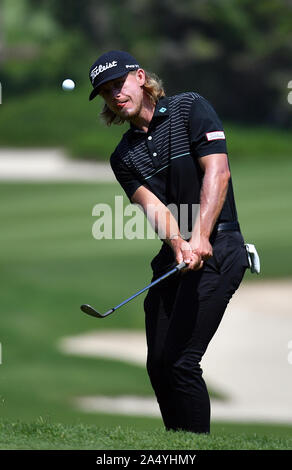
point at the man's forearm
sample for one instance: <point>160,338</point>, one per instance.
<point>165,225</point>
<point>213,194</point>
<point>159,216</point>
<point>163,222</point>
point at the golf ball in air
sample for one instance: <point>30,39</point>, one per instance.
<point>68,84</point>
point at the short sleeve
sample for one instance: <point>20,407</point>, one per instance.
<point>124,176</point>
<point>206,130</point>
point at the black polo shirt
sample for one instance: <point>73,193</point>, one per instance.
<point>184,128</point>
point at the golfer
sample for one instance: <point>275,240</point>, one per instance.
<point>174,155</point>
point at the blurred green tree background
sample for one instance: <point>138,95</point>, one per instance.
<point>235,52</point>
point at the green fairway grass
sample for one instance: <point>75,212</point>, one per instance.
<point>263,198</point>
<point>51,264</point>
<point>44,435</point>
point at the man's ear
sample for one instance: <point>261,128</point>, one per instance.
<point>141,76</point>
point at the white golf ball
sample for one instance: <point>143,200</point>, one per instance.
<point>68,84</point>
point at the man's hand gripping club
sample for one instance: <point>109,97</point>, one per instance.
<point>183,251</point>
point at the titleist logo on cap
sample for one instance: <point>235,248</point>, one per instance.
<point>110,66</point>
<point>102,68</point>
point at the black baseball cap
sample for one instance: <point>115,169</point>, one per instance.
<point>111,65</point>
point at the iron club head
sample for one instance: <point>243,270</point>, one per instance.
<point>94,313</point>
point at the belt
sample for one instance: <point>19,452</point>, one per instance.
<point>224,226</point>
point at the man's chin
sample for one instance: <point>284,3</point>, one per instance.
<point>127,114</point>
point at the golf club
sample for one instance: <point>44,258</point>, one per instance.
<point>94,313</point>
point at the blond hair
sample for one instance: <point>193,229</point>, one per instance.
<point>153,86</point>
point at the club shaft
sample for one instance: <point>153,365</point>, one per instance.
<point>164,276</point>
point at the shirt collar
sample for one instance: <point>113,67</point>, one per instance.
<point>161,111</point>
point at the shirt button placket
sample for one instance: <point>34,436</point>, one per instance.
<point>152,151</point>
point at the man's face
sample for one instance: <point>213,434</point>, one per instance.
<point>124,96</point>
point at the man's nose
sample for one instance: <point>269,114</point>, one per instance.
<point>116,91</point>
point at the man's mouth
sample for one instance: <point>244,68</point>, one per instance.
<point>121,104</point>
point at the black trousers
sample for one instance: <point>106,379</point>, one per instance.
<point>182,314</point>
